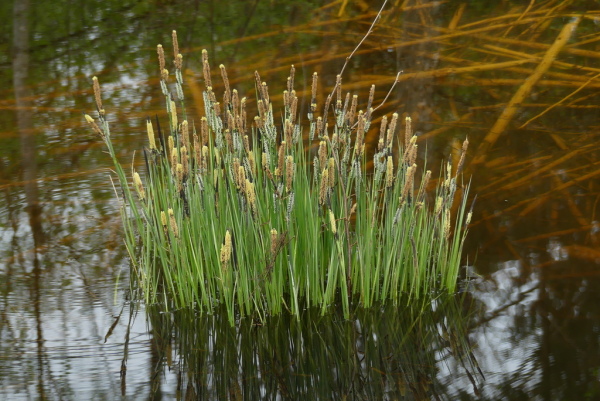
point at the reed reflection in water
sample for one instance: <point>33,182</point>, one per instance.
<point>381,353</point>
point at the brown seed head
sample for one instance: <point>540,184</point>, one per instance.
<point>331,172</point>
<point>97,95</point>
<point>289,172</point>
<point>150,131</point>
<point>185,161</point>
<point>204,131</point>
<point>313,101</point>
<point>173,223</point>
<point>175,44</point>
<point>179,174</point>
<point>206,69</point>
<point>463,155</point>
<point>251,196</point>
<point>173,115</point>
<point>408,131</point>
<point>382,137</point>
<point>178,62</point>
<point>389,172</point>
<point>185,133</point>
<point>391,132</point>
<point>236,172</point>
<point>322,154</point>
<point>161,57</point>
<point>280,159</point>
<point>324,187</point>
<point>94,126</point>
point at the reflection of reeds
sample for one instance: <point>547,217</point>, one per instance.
<point>390,353</point>
<point>346,234</point>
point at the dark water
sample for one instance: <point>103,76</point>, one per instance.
<point>529,327</point>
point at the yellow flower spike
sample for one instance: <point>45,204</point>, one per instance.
<point>332,222</point>
<point>150,131</point>
<point>389,172</point>
<point>226,250</point>
<point>137,181</point>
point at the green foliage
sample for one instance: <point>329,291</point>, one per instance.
<point>244,218</point>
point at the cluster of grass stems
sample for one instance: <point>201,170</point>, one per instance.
<point>266,217</point>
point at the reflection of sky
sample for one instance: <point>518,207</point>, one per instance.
<point>501,357</point>
<point>71,303</point>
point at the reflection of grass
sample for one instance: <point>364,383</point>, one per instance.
<point>382,352</point>
<point>250,222</point>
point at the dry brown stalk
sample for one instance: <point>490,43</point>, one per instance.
<point>456,17</point>
<point>543,168</point>
<point>512,107</point>
<point>560,101</point>
<point>581,219</point>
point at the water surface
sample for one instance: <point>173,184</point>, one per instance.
<point>67,327</point>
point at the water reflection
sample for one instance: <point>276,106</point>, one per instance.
<point>384,353</point>
<point>534,241</point>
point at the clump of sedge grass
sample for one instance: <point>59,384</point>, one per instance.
<point>242,214</point>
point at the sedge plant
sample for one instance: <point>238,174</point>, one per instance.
<point>243,214</point>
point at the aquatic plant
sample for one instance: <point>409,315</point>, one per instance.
<point>267,216</point>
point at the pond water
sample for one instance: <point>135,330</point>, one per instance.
<point>498,72</point>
